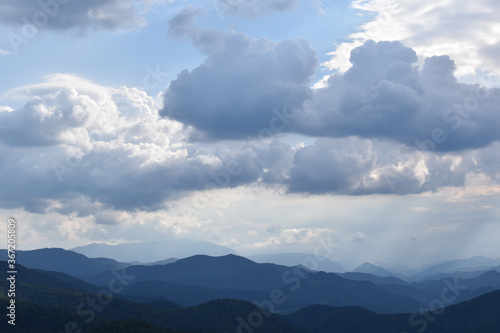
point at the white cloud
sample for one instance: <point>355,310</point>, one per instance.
<point>306,236</point>
<point>76,140</point>
<point>356,237</point>
<point>465,31</point>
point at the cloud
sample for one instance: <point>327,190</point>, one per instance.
<point>275,229</point>
<point>254,8</point>
<point>296,236</point>
<point>75,140</point>
<point>330,166</point>
<point>354,166</point>
<point>356,237</point>
<point>73,15</point>
<point>242,85</point>
<point>237,91</point>
<point>384,95</point>
<point>5,53</point>
<point>447,27</point>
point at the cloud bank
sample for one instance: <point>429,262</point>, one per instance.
<point>385,126</point>
<point>235,93</point>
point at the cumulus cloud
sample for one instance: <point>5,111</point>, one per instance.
<point>76,147</point>
<point>384,95</point>
<point>242,85</point>
<point>69,15</point>
<point>254,8</point>
<point>75,140</point>
<point>237,91</point>
<point>385,126</point>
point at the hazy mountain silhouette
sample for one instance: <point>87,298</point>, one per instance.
<point>65,261</point>
<point>293,259</point>
<point>478,263</point>
<point>299,287</point>
<point>428,291</point>
<point>372,269</point>
<point>373,278</point>
<point>150,252</point>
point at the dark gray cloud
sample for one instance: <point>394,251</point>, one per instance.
<point>235,93</point>
<point>67,15</point>
<point>254,8</point>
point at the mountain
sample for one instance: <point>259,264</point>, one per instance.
<point>131,325</point>
<point>187,295</point>
<point>295,259</point>
<point>376,279</point>
<point>34,278</point>
<point>397,268</point>
<point>149,252</point>
<point>163,262</point>
<point>478,263</point>
<point>215,316</point>
<point>457,275</point>
<point>64,261</point>
<point>38,294</point>
<point>431,290</point>
<point>372,269</point>
<point>479,315</point>
<point>231,275</point>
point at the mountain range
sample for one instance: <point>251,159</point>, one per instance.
<point>233,290</point>
<point>305,259</point>
<point>149,252</point>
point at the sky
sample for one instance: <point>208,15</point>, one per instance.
<point>265,126</point>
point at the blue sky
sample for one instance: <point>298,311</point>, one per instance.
<point>265,126</point>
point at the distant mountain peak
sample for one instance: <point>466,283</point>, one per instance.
<point>368,267</point>
<point>304,259</point>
